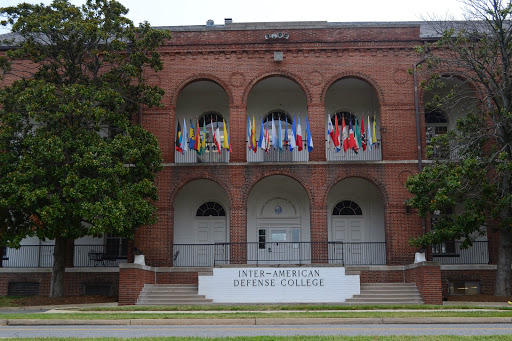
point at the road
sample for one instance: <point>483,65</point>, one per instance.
<point>281,330</point>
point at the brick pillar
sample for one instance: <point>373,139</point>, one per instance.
<point>316,116</point>
<point>168,155</point>
<point>319,234</point>
<point>238,231</point>
<point>237,133</point>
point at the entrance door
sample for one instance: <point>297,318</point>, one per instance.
<point>210,231</point>
<point>279,245</point>
<point>350,231</point>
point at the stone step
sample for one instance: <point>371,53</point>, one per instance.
<point>387,293</point>
<point>394,285</point>
<point>172,301</point>
<point>163,296</point>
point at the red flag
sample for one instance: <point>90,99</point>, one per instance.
<point>197,144</point>
<point>344,135</point>
<point>363,135</point>
<point>336,133</point>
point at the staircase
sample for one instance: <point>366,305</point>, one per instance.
<point>171,294</point>
<point>387,293</point>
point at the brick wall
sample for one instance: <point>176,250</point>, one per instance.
<point>74,282</point>
<point>427,277</point>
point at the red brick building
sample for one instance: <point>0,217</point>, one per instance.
<point>280,207</point>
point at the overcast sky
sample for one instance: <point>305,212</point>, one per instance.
<point>196,12</point>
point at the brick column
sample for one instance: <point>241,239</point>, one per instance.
<point>238,230</point>
<point>316,116</point>
<point>237,133</point>
<point>168,155</point>
<point>319,234</point>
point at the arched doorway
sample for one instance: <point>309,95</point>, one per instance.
<point>356,219</point>
<point>200,224</point>
<point>278,222</point>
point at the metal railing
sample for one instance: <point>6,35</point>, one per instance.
<point>29,256</point>
<point>41,256</point>
<point>210,155</point>
<point>451,253</point>
<point>373,154</point>
<point>276,155</point>
<point>208,255</point>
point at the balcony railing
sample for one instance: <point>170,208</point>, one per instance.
<point>41,256</point>
<point>373,154</point>
<point>210,155</point>
<point>451,253</point>
<point>365,253</point>
<point>276,155</point>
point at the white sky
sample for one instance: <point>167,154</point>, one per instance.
<point>196,12</point>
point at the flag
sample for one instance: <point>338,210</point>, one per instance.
<point>330,133</point>
<point>214,138</point>
<point>358,135</point>
<point>337,135</point>
<point>261,141</point>
<point>249,133</point>
<point>344,135</point>
<point>293,143</point>
<point>226,143</point>
<point>217,135</point>
<point>184,141</point>
<point>192,138</point>
<point>363,135</point>
<point>374,136</point>
<point>285,133</point>
<point>351,138</point>
<point>178,138</point>
<point>203,139</point>
<point>274,135</point>
<point>299,135</point>
<point>279,136</point>
<point>308,136</point>
<point>197,144</point>
<point>369,135</point>
<point>254,143</point>
<point>267,139</point>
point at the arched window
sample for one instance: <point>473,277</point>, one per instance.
<point>436,124</point>
<point>210,209</point>
<point>340,114</point>
<point>278,115</point>
<point>209,117</point>
<point>347,207</point>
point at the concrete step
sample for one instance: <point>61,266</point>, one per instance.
<point>171,294</point>
<point>387,293</point>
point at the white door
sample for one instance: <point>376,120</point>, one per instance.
<point>350,231</point>
<point>209,231</point>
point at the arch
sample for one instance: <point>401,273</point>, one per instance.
<point>196,78</point>
<point>176,188</point>
<point>279,113</point>
<point>260,176</point>
<point>357,75</point>
<point>356,174</point>
<point>285,74</point>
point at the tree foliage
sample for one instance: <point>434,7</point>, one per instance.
<point>72,162</point>
<point>475,184</point>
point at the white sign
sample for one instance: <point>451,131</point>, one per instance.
<point>279,285</point>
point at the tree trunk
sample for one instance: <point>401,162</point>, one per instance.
<point>59,267</point>
<point>504,263</point>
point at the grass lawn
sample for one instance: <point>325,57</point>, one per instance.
<point>259,315</point>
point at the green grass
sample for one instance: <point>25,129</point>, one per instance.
<point>9,301</point>
<point>304,338</point>
<point>300,307</point>
<point>259,315</point>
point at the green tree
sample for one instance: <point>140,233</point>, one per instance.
<point>476,184</point>
<point>72,163</point>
